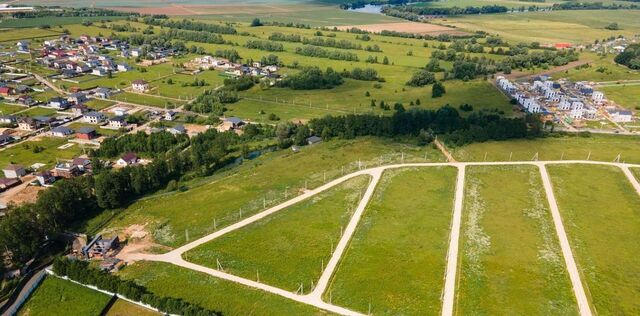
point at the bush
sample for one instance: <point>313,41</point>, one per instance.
<point>421,78</point>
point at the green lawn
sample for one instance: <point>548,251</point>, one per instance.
<point>231,298</point>
<point>396,260</point>
<point>102,131</point>
<point>25,153</point>
<point>293,243</point>
<point>511,262</point>
<point>6,109</point>
<point>99,104</point>
<point>626,95</point>
<point>602,147</point>
<point>24,34</point>
<point>56,296</point>
<point>149,100</point>
<point>263,179</point>
<point>124,308</point>
<point>53,21</point>
<point>599,208</point>
<point>602,68</point>
<point>636,173</point>
<point>39,111</point>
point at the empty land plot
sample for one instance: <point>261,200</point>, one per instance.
<point>257,181</point>
<point>6,109</point>
<point>209,292</point>
<point>626,95</point>
<point>511,263</point>
<point>43,150</point>
<point>405,27</point>
<point>601,68</point>
<point>56,296</point>
<point>293,244</point>
<point>601,214</point>
<point>396,260</point>
<point>24,34</point>
<point>595,147</point>
<point>124,308</point>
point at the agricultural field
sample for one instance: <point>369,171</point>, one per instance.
<point>601,147</point>
<point>399,250</point>
<point>210,292</point>
<point>600,233</point>
<point>292,256</point>
<point>54,21</point>
<point>68,299</point>
<point>257,183</point>
<point>571,26</point>
<point>43,150</point>
<point>509,248</point>
<point>25,33</point>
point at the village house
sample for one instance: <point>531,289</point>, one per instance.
<point>94,117</point>
<point>14,171</point>
<point>117,122</point>
<point>58,103</point>
<point>177,130</point>
<point>66,170</point>
<point>99,248</point>
<point>6,91</point>
<point>83,164</point>
<point>45,178</point>
<point>26,100</point>
<point>79,109</point>
<point>103,93</point>
<point>7,183</point>
<point>170,115</point>
<point>5,139</point>
<point>86,133</point>
<point>29,124</point>
<point>77,97</point>
<point>128,159</point>
<point>7,120</point>
<point>140,85</point>
<point>230,123</point>
<point>61,131</point>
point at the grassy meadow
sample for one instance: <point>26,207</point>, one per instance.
<point>396,261</point>
<point>602,69</point>
<point>510,262</point>
<point>124,308</point>
<point>602,148</point>
<point>293,243</point>
<point>209,292</point>
<point>626,95</point>
<point>599,209</point>
<point>6,109</point>
<point>44,150</point>
<point>258,182</point>
<point>68,299</point>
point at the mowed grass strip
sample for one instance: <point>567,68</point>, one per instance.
<point>230,298</point>
<point>262,180</point>
<point>396,260</point>
<point>596,147</point>
<point>124,308</point>
<point>288,248</point>
<point>601,214</point>
<point>510,262</point>
<point>56,296</point>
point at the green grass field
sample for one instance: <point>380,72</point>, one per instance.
<point>54,21</point>
<point>26,155</point>
<point>56,296</point>
<point>511,262</point>
<point>293,243</point>
<point>39,111</point>
<point>6,109</point>
<point>602,147</point>
<point>572,26</point>
<point>397,257</point>
<point>220,197</point>
<point>231,298</point>
<point>148,100</point>
<point>124,308</point>
<point>25,34</point>
<point>599,209</point>
<point>602,68</point>
<point>626,95</point>
<point>99,104</point>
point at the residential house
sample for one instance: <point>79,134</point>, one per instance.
<point>8,183</point>
<point>61,131</point>
<point>94,117</point>
<point>45,178</point>
<point>86,133</point>
<point>231,123</point>
<point>620,116</point>
<point>140,85</point>
<point>26,100</point>
<point>99,248</point>
<point>6,91</point>
<point>103,93</point>
<point>177,130</point>
<point>100,72</point>
<point>66,170</point>
<point>128,159</point>
<point>79,109</point>
<point>7,120</point>
<point>5,139</point>
<point>117,122</point>
<point>14,171</point>
<point>77,97</point>
<point>59,103</point>
<point>123,67</point>
<point>28,124</point>
<point>83,164</point>
<point>170,115</point>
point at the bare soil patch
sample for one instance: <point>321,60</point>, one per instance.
<point>406,27</point>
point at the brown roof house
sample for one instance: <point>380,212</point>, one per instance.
<point>128,159</point>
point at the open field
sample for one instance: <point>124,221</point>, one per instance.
<point>551,27</point>
<point>54,21</point>
<point>602,148</point>
<point>603,68</point>
<point>396,259</point>
<point>509,247</point>
<point>626,95</point>
<point>6,109</point>
<point>124,308</point>
<point>25,34</point>
<point>39,111</point>
<point>288,256</point>
<point>28,153</point>
<point>599,209</point>
<point>406,27</point>
<point>212,293</point>
<point>56,296</point>
<point>256,181</point>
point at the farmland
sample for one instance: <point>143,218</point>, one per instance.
<point>510,250</point>
<point>68,299</point>
<point>595,147</point>
<point>257,183</point>
<point>599,231</point>
<point>400,246</point>
<point>292,256</point>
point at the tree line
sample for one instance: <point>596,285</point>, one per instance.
<point>81,271</point>
<point>264,45</point>
<point>191,25</point>
<point>314,51</point>
<point>630,57</point>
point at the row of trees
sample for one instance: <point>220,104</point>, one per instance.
<point>148,144</point>
<point>366,74</point>
<point>82,272</point>
<point>191,25</point>
<point>213,101</point>
<point>445,122</point>
<point>264,45</point>
<point>416,13</point>
<point>312,78</point>
<point>630,57</point>
<point>314,51</point>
